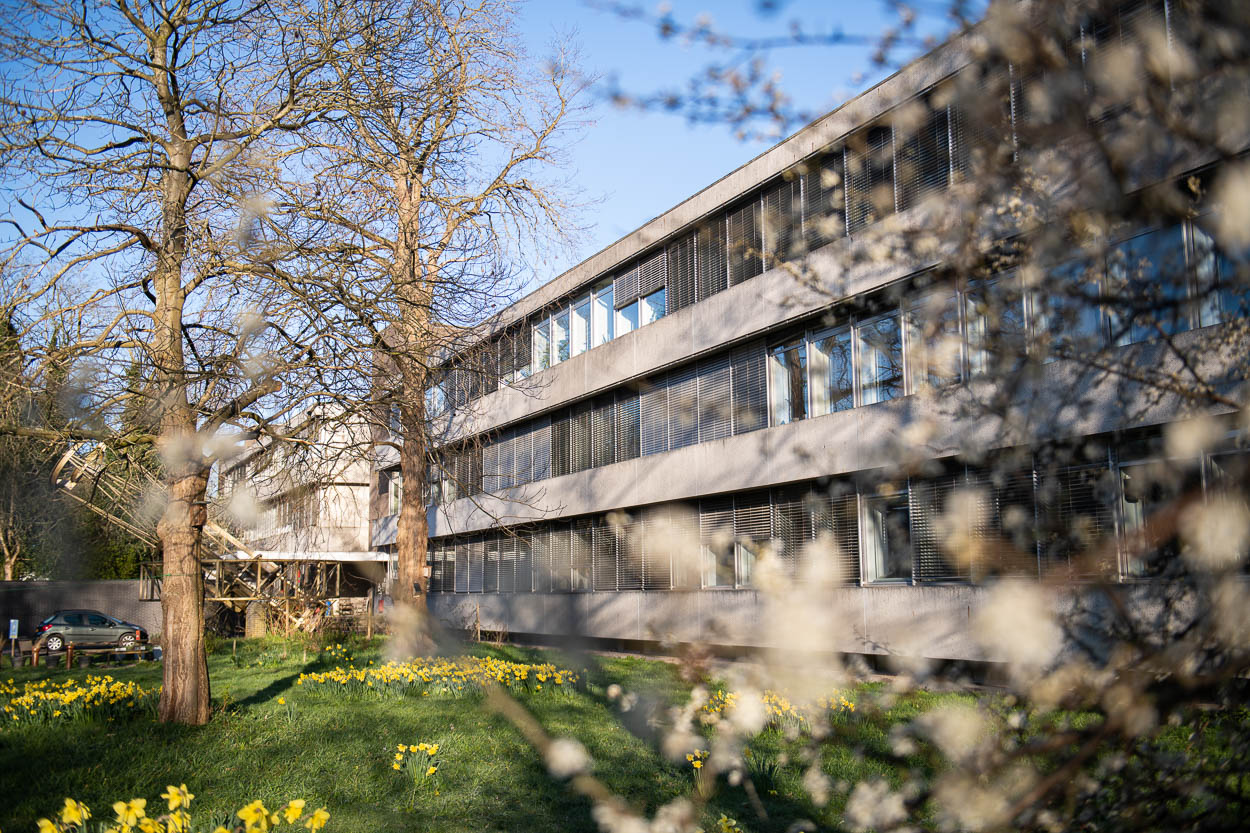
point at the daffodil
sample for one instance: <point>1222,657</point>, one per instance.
<point>46,826</point>
<point>178,796</point>
<point>318,819</point>
<point>294,809</point>
<point>129,812</point>
<point>255,817</point>
<point>402,747</point>
<point>395,765</point>
<point>150,825</point>
<point>281,701</point>
<point>74,812</point>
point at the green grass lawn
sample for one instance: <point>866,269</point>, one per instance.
<point>336,750</point>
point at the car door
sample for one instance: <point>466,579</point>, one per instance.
<point>75,628</point>
<point>99,629</point>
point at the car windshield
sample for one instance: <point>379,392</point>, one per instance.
<point>49,619</point>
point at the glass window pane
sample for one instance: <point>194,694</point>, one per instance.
<point>996,332</point>
<point>653,307</point>
<point>934,343</point>
<point>1147,275</point>
<point>1068,319</point>
<point>560,338</point>
<point>542,345</point>
<point>627,319</point>
<point>833,384</point>
<point>601,321</point>
<point>579,333</point>
<point>887,537</point>
<point>880,359</point>
<point>787,371</point>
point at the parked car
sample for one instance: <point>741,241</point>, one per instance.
<point>87,627</point>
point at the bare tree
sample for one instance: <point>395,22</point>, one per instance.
<point>441,173</point>
<point>139,138</point>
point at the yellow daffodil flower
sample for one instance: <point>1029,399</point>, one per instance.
<point>281,701</point>
<point>74,812</point>
<point>431,770</point>
<point>255,817</point>
<point>402,747</point>
<point>46,826</point>
<point>129,812</point>
<point>178,796</point>
<point>318,819</point>
<point>294,810</point>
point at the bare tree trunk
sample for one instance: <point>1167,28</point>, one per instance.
<point>185,696</point>
<point>412,536</point>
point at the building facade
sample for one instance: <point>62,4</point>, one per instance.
<point>754,386</point>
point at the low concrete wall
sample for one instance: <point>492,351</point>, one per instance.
<point>30,602</point>
<point>932,621</point>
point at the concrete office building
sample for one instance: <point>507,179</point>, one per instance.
<point>740,376</point>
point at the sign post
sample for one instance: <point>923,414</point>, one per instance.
<point>13,641</point>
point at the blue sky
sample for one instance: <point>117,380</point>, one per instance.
<point>635,165</point>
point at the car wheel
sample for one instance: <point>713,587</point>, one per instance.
<point>126,642</point>
<point>54,642</point>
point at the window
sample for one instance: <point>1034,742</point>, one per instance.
<point>560,337</point>
<point>1067,318</point>
<point>869,176</point>
<point>879,344</point>
<point>396,488</point>
<point>994,313</point>
<point>1222,281</point>
<point>887,537</point>
<point>1146,276</point>
<point>653,308</point>
<point>579,334</point>
<point>833,383</point>
<point>787,379</point>
<point>542,345</point>
<point>934,342</point>
<point>601,329</point>
<point>627,319</point>
<point>435,404</point>
<point>716,537</point>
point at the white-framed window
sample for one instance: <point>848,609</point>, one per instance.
<point>934,341</point>
<point>560,344</point>
<point>579,326</point>
<point>1066,317</point>
<point>996,326</point>
<point>879,356</point>
<point>653,307</point>
<point>831,371</point>
<point>626,319</point>
<point>602,318</point>
<point>396,491</point>
<point>1149,272</point>
<point>787,382</point>
<point>540,355</point>
<point>885,536</point>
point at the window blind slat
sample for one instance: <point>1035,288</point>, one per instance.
<point>682,282</point>
<point>477,560</point>
<point>603,432</point>
<point>625,288</point>
<point>582,554</point>
<point>461,583</point>
<point>561,557</point>
<point>629,554</point>
<point>540,441</point>
<point>628,426</point>
<point>782,221</point>
<point>683,407</point>
<point>744,244</point>
<point>604,556</point>
<point>653,273</point>
<point>824,203</point>
<point>715,411</point>
<point>749,388</point>
<point>490,573</point>
<point>579,437</point>
<point>653,407</point>
<point>711,263</point>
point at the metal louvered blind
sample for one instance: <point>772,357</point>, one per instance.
<point>683,407</point>
<point>603,432</point>
<point>491,473</point>
<point>561,557</point>
<point>870,177</point>
<point>712,267</point>
<point>682,282</point>
<point>753,517</point>
<point>579,437</point>
<point>473,466</point>
<point>540,441</point>
<point>1076,509</point>
<point>655,549</point>
<point>525,579</point>
<point>928,502</point>
<point>625,288</point>
<point>653,418</point>
<point>507,563</point>
<point>792,525</point>
<point>923,163</point>
<point>837,514</point>
<point>507,459</point>
<point>561,443</point>
<point>490,573</point>
<point>652,273</point>
<point>629,568</point>
<point>522,455</point>
<point>522,350</point>
<point>743,242</point>
<point>824,202</point>
<point>782,221</point>
<point>603,566</point>
<point>628,426</point>
<point>477,558</point>
<point>1009,537</point>
<point>749,388</point>
<point>540,554</point>
<point>462,567</point>
<point>682,546</point>
<point>715,411</point>
<point>582,546</point>
<point>435,558</point>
